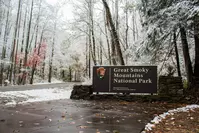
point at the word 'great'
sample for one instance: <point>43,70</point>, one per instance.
<point>129,70</point>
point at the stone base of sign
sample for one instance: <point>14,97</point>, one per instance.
<point>170,86</point>
<point>81,92</point>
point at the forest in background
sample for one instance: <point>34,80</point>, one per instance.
<point>38,43</point>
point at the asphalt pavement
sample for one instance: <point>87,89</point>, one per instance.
<point>76,116</point>
<point>68,116</point>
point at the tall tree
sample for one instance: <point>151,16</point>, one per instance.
<point>91,26</point>
<point>114,35</point>
<point>176,53</point>
<point>5,39</point>
<point>14,42</point>
<point>196,38</point>
<point>107,38</point>
<point>17,45</point>
<point>22,43</point>
<point>27,44</point>
<point>37,29</point>
<point>53,49</point>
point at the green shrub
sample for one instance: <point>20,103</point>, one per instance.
<point>185,84</point>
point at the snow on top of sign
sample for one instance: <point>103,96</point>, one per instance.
<point>159,118</point>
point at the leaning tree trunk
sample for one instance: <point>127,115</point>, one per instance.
<point>176,53</point>
<point>187,60</point>
<point>107,39</point>
<point>115,38</point>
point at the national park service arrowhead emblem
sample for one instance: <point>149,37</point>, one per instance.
<point>101,72</point>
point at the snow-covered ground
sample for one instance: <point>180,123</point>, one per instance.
<point>159,118</point>
<point>46,82</point>
<point>12,98</point>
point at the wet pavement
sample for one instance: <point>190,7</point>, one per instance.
<point>69,116</point>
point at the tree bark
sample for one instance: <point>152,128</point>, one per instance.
<point>27,44</point>
<point>14,43</point>
<point>37,29</point>
<point>70,74</point>
<point>16,52</point>
<point>5,39</point>
<point>196,38</point>
<point>176,53</point>
<point>127,29</point>
<point>107,39</point>
<point>52,54</point>
<point>92,31</point>
<point>22,44</point>
<point>115,38</point>
<point>187,60</point>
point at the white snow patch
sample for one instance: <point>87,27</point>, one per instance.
<point>46,82</point>
<point>87,82</point>
<point>159,118</point>
<point>30,96</point>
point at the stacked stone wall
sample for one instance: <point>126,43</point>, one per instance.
<point>170,86</point>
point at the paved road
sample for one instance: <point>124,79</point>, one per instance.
<point>71,116</point>
<point>31,87</point>
<point>67,116</point>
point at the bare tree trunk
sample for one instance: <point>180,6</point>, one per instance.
<point>107,39</point>
<point>87,54</point>
<point>37,29</point>
<point>186,54</point>
<point>89,61</point>
<point>27,44</point>
<point>70,74</point>
<point>116,17</point>
<point>115,38</point>
<point>1,17</point>
<point>196,38</point>
<point>127,29</point>
<point>90,46</point>
<point>100,51</point>
<point>196,66</point>
<point>22,45</point>
<point>14,43</point>
<point>133,19</point>
<point>52,54</point>
<point>92,30</point>
<point>176,53</point>
<point>43,68</point>
<point>16,52</point>
<point>4,44</point>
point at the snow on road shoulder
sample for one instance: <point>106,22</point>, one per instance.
<point>46,82</point>
<point>12,98</point>
<point>159,118</point>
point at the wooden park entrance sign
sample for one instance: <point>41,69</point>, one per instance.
<point>125,79</point>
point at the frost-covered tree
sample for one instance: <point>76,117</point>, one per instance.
<point>162,19</point>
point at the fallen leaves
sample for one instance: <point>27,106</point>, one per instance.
<point>89,122</point>
<point>2,120</point>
